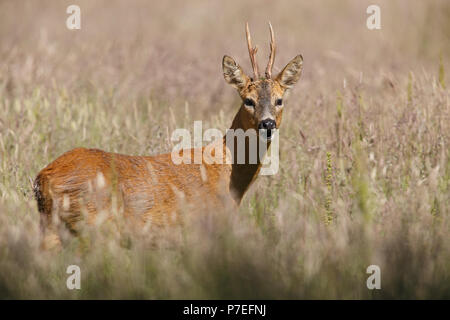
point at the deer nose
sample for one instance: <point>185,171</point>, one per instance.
<point>267,124</point>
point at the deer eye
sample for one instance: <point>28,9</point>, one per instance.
<point>249,102</point>
<point>279,102</point>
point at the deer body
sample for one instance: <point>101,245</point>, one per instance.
<point>81,183</point>
<point>144,187</point>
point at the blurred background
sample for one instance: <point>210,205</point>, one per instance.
<point>175,47</point>
<point>365,164</point>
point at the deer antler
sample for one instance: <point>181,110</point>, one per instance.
<point>272,53</point>
<point>252,52</point>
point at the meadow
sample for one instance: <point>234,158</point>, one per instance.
<point>364,173</point>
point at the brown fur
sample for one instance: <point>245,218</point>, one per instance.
<point>83,182</point>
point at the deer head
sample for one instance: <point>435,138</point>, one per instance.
<point>262,97</point>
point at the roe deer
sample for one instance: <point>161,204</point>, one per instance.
<point>82,182</point>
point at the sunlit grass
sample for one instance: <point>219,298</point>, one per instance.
<point>364,175</point>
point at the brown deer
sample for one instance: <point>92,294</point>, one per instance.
<point>83,182</point>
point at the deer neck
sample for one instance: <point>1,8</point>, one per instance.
<point>243,175</point>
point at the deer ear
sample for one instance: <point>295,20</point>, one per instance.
<point>291,73</point>
<point>234,74</point>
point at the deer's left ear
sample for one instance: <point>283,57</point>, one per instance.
<point>291,73</point>
<point>234,74</point>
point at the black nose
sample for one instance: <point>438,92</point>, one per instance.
<point>267,124</point>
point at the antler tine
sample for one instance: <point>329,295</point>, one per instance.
<point>252,52</point>
<point>272,53</point>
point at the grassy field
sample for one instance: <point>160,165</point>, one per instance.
<point>364,176</point>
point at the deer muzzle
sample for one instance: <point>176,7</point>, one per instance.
<point>265,128</point>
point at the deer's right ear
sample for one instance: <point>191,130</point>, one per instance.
<point>234,74</point>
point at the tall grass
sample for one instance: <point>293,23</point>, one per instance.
<point>364,175</point>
